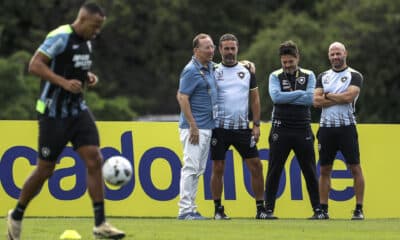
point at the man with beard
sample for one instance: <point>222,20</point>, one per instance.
<point>291,89</point>
<point>236,87</point>
<point>336,93</point>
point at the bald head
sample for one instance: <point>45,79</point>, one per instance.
<point>337,45</point>
<point>337,56</point>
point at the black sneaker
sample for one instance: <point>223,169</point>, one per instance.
<point>220,214</point>
<point>319,214</point>
<point>266,214</point>
<point>358,215</point>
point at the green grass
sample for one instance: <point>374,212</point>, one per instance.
<point>243,229</point>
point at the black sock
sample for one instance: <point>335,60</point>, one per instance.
<point>269,206</point>
<point>324,207</point>
<point>18,212</point>
<point>359,206</point>
<point>260,205</point>
<point>317,207</point>
<point>217,204</point>
<point>99,217</point>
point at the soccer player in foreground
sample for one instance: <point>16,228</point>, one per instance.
<point>63,62</point>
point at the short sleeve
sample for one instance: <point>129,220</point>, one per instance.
<point>356,79</point>
<point>319,81</point>
<point>54,45</point>
<point>187,83</point>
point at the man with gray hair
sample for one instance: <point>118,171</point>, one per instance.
<point>197,95</point>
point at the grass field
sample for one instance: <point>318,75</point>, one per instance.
<point>243,229</point>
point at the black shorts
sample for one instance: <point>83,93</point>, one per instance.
<point>241,139</point>
<point>334,139</point>
<point>55,133</point>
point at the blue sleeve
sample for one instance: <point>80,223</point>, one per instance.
<point>279,96</point>
<point>187,83</point>
<point>54,45</point>
<point>307,97</point>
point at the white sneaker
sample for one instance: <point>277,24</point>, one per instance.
<point>107,231</point>
<point>13,227</point>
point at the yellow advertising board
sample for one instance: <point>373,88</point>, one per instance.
<point>155,152</point>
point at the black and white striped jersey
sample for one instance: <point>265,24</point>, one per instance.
<point>338,82</point>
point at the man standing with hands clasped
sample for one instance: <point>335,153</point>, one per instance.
<point>336,93</point>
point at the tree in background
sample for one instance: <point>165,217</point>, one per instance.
<point>144,45</point>
<point>369,30</point>
<point>18,91</point>
<point>24,27</point>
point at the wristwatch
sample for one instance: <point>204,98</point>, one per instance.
<point>256,123</point>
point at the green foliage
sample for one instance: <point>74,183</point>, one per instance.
<point>369,31</point>
<point>18,91</point>
<point>264,52</point>
<point>145,44</point>
<point>156,38</point>
<point>377,55</point>
<point>116,109</point>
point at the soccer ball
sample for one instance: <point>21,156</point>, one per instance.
<point>117,171</point>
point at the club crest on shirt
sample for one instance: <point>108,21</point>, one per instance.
<point>343,79</point>
<point>301,80</point>
<point>214,141</point>
<point>45,151</point>
<point>219,75</point>
<point>241,75</point>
